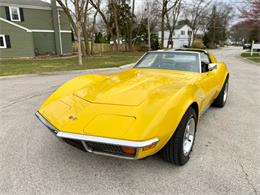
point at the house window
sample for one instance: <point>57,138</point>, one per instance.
<point>14,14</point>
<point>5,41</point>
<point>2,41</point>
<point>182,32</point>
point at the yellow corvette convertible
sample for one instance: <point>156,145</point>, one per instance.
<point>153,107</point>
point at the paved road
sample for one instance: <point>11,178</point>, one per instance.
<point>225,159</point>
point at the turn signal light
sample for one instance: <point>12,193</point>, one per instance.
<point>128,150</point>
<point>149,147</point>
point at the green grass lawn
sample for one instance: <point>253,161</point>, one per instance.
<point>255,57</point>
<point>37,66</point>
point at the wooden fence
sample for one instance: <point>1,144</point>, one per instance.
<point>104,47</point>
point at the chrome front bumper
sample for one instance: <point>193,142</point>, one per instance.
<point>85,139</point>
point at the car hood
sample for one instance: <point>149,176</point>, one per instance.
<point>115,105</point>
<point>133,86</point>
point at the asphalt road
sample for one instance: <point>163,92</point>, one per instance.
<point>225,158</point>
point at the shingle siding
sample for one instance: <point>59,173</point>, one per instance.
<point>21,42</point>
<point>64,21</point>
<point>41,42</point>
<point>26,3</point>
<point>66,43</point>
<point>39,19</point>
<point>44,43</point>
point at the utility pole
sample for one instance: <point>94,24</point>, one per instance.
<point>148,26</point>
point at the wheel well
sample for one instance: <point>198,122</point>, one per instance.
<point>195,106</point>
<point>227,76</point>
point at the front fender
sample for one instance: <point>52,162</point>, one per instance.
<point>171,114</point>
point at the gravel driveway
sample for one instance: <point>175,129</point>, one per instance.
<point>225,158</point>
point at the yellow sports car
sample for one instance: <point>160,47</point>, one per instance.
<point>154,106</point>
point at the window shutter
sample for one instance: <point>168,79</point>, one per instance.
<point>21,14</point>
<point>7,40</point>
<point>7,12</point>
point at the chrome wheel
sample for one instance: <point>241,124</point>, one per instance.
<point>225,92</point>
<point>188,137</point>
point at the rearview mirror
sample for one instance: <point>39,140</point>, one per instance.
<point>212,66</point>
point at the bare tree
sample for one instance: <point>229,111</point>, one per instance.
<point>250,11</point>
<point>74,11</point>
<point>250,14</point>
<point>94,27</point>
<point>194,13</point>
<point>113,4</point>
<point>105,19</point>
<point>172,19</point>
<point>167,5</point>
<point>130,43</point>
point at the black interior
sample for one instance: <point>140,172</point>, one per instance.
<point>204,67</point>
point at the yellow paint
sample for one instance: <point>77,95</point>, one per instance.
<point>136,104</point>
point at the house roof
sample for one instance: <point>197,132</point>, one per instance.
<point>179,26</point>
<point>35,3</point>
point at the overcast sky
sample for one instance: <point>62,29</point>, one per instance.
<point>141,5</point>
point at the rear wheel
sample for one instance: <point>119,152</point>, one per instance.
<point>179,147</point>
<point>221,100</point>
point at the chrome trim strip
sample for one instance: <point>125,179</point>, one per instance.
<point>108,154</point>
<point>118,142</point>
<point>46,123</point>
<point>113,155</point>
<point>83,138</point>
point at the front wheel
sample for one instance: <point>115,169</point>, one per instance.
<point>221,100</point>
<point>179,147</point>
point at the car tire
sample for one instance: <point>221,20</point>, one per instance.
<point>221,100</point>
<point>174,151</point>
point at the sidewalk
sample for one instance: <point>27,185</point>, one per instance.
<point>99,70</point>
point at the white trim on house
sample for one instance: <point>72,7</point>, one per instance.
<point>11,14</point>
<point>25,6</point>
<point>50,31</point>
<point>66,31</point>
<point>33,30</point>
<point>40,30</point>
<point>14,24</point>
<point>4,41</point>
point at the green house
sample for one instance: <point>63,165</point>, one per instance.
<point>33,27</point>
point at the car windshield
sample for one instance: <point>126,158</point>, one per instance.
<point>183,61</point>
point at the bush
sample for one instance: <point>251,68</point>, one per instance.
<point>99,38</point>
<point>212,46</point>
<point>198,43</point>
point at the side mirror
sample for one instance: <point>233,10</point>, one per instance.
<point>212,66</point>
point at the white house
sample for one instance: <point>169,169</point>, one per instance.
<point>181,36</point>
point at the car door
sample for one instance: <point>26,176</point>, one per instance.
<point>207,83</point>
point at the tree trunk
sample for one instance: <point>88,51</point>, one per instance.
<point>130,42</point>
<point>93,33</point>
<point>86,45</point>
<point>162,30</point>
<point>85,29</point>
<point>170,40</point>
<point>116,24</point>
<point>164,11</point>
<point>79,43</point>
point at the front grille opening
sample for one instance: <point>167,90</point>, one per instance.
<point>75,143</point>
<point>108,148</point>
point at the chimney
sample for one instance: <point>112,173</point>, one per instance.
<point>56,27</point>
